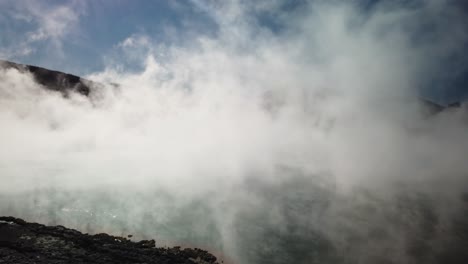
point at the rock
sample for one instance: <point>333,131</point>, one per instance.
<point>53,80</point>
<point>23,242</point>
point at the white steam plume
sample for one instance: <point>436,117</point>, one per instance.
<point>327,107</point>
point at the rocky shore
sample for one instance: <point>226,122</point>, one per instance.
<point>23,242</point>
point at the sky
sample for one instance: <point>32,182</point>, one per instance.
<point>83,37</point>
<point>76,36</point>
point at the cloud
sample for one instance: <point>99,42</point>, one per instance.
<point>300,145</point>
<point>55,23</point>
<point>21,51</point>
<point>50,25</point>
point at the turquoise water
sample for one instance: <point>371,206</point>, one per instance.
<point>295,221</point>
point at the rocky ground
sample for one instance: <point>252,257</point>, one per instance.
<point>23,242</point>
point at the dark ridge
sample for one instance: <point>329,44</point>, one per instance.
<point>22,242</point>
<point>432,108</point>
<point>53,80</point>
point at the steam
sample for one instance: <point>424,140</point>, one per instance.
<point>253,132</point>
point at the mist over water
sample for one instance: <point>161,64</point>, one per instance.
<point>305,145</point>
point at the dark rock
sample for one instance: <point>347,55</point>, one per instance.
<point>53,80</point>
<point>147,243</point>
<point>22,242</point>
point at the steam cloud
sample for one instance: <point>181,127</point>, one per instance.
<point>306,145</point>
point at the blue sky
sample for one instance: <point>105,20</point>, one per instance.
<point>83,37</point>
<point>90,29</point>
